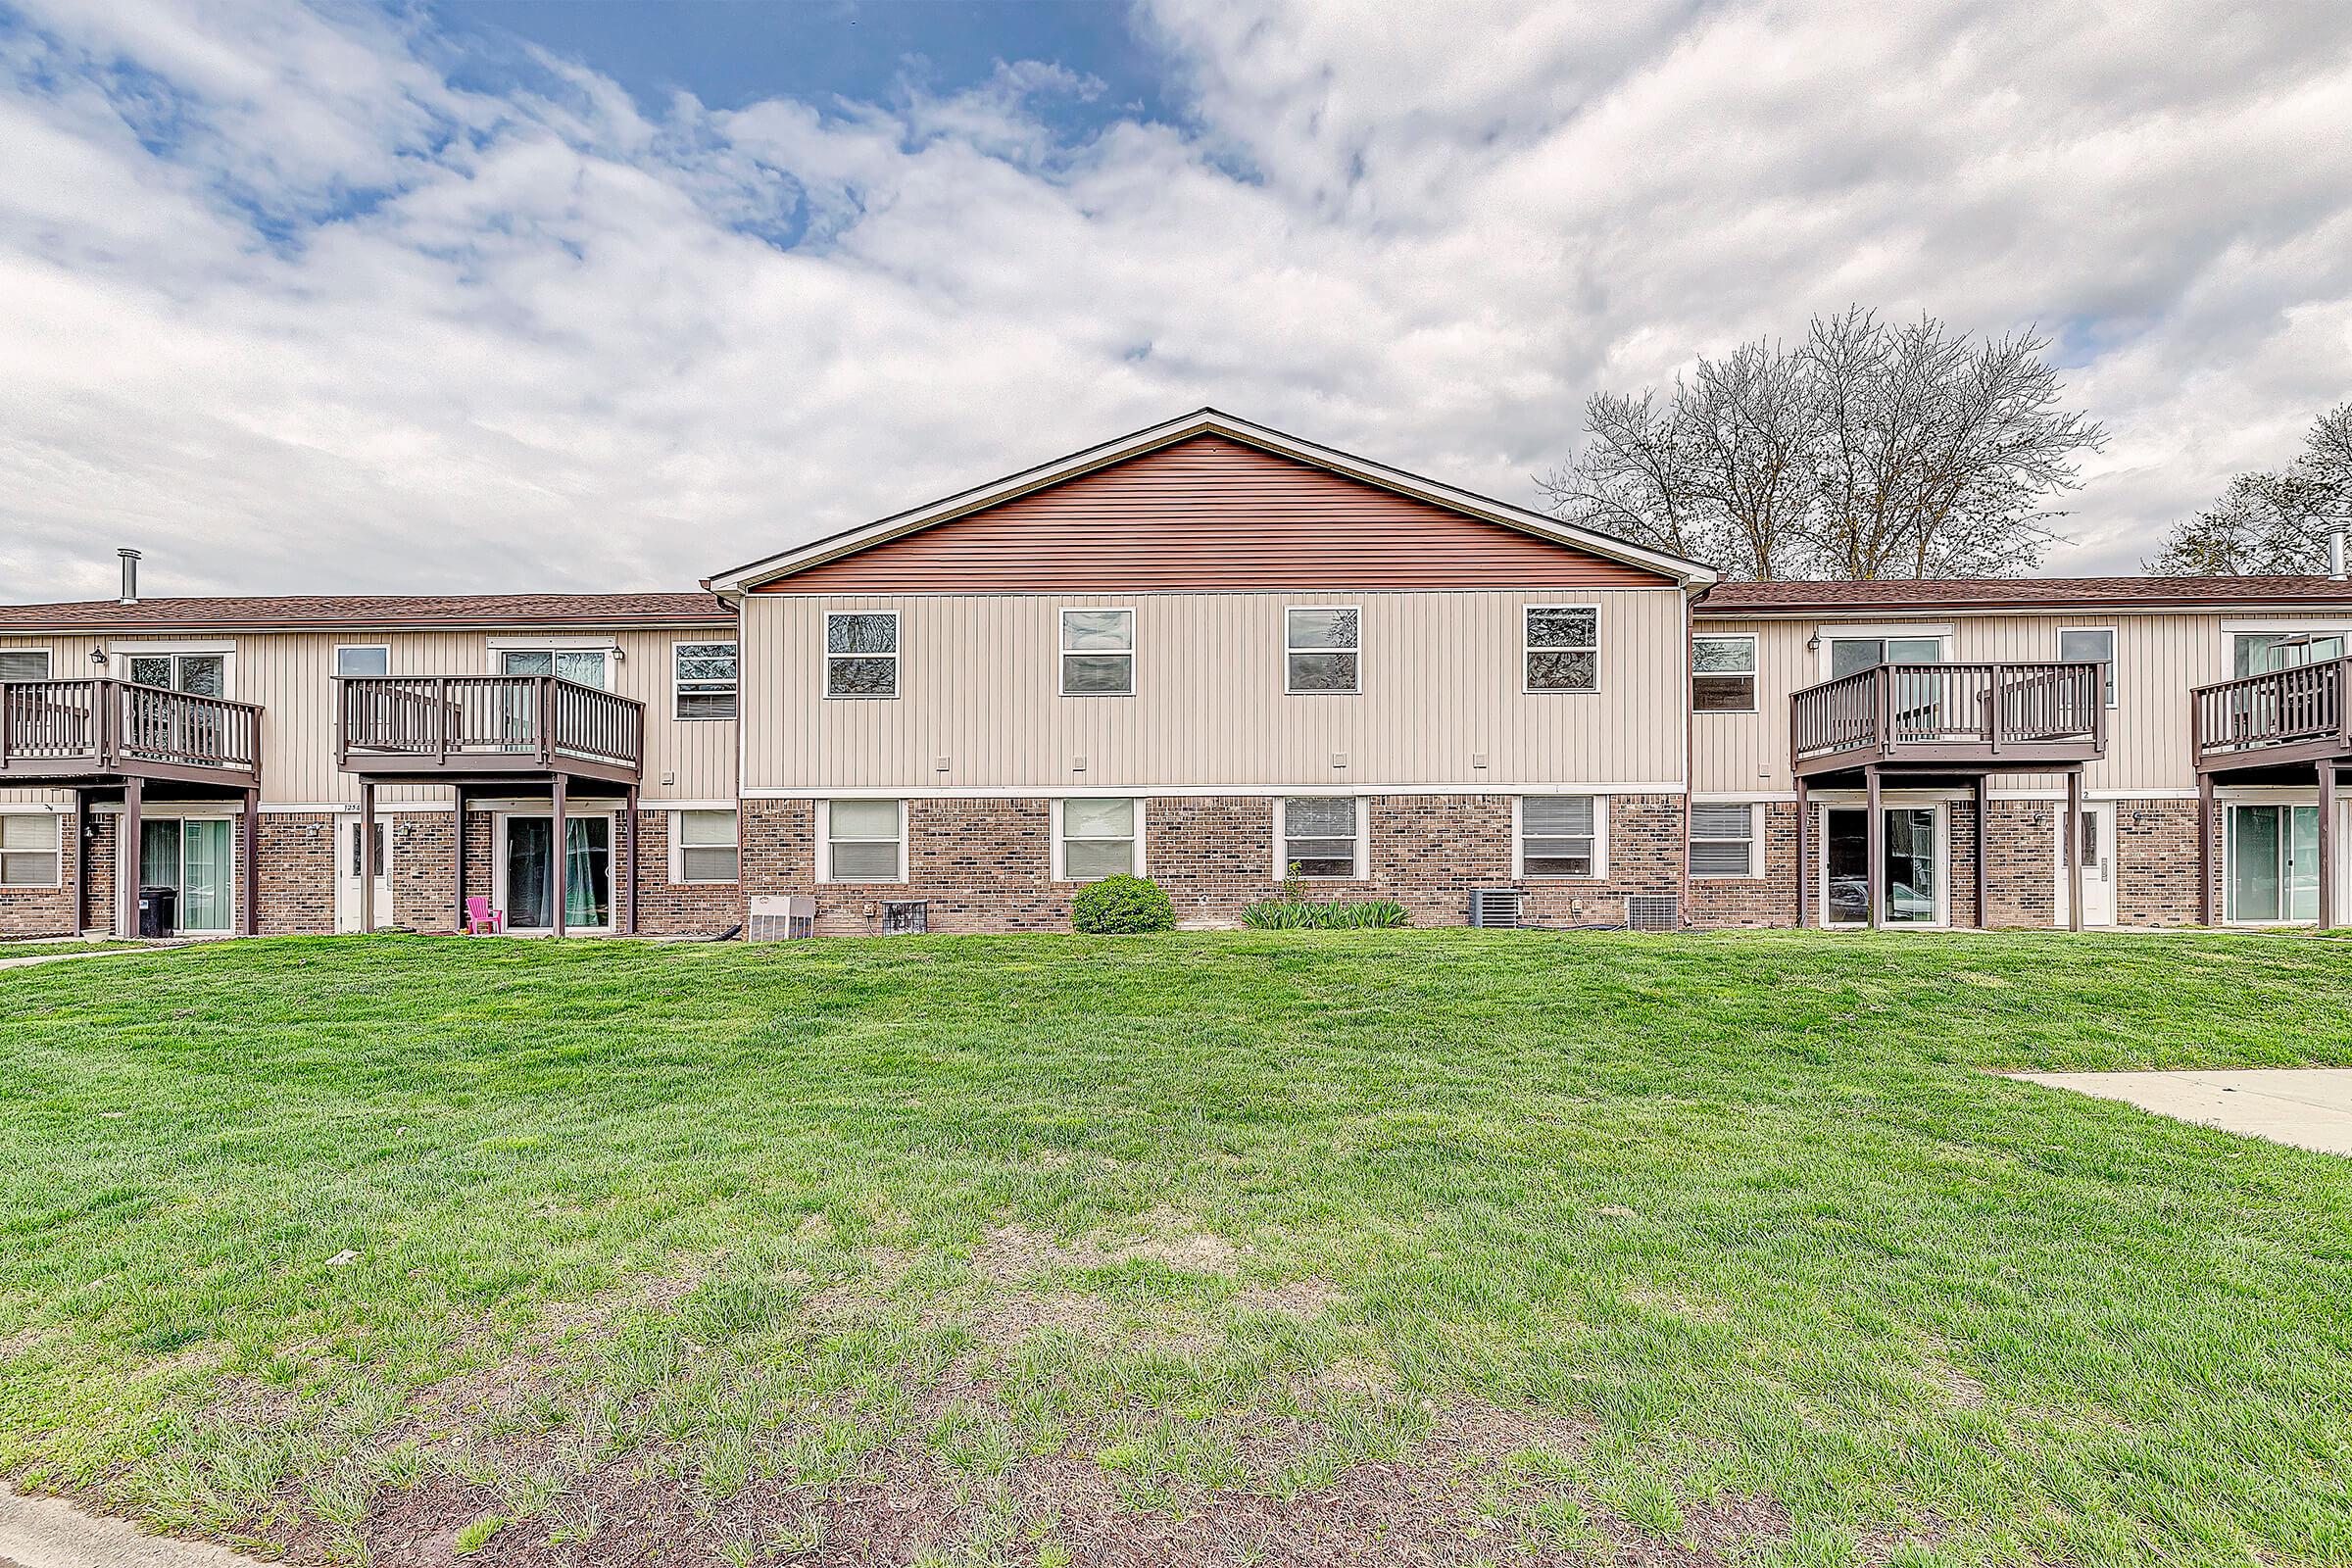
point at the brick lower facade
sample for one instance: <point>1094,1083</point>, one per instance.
<point>986,864</point>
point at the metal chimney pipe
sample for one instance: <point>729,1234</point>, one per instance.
<point>2335,555</point>
<point>131,576</point>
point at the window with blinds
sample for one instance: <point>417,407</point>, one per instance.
<point>1098,840</point>
<point>1558,835</point>
<point>1320,837</point>
<point>703,676</point>
<point>706,843</point>
<point>1723,841</point>
<point>865,841</point>
<point>23,663</point>
<point>28,849</point>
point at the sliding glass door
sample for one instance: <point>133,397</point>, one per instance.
<point>528,872</point>
<point>192,857</point>
<point>1910,870</point>
<point>2274,862</point>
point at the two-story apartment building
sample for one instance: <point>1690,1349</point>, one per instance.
<point>1207,652</point>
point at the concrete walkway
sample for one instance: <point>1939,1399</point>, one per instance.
<point>44,1533</point>
<point>2310,1108</point>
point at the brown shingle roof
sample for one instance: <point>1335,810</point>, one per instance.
<point>370,609</point>
<point>2019,593</point>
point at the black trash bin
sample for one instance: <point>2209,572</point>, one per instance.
<point>158,912</point>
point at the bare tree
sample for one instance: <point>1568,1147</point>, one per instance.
<point>1869,451</point>
<point>2272,524</point>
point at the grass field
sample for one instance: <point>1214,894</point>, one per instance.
<point>1387,1247</point>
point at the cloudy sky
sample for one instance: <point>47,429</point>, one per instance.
<point>535,295</point>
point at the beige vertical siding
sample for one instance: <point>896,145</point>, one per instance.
<point>1442,682</point>
<point>2160,657</point>
<point>290,675</point>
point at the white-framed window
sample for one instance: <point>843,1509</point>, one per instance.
<point>587,667</point>
<point>23,663</point>
<point>30,853</point>
<point>1723,839</point>
<point>1849,654</point>
<point>702,845</point>
<point>1322,646</point>
<point>862,652</point>
<point>864,841</point>
<point>703,680</point>
<point>363,658</point>
<point>2258,653</point>
<point>1098,652</point>
<point>201,673</point>
<point>1094,838</point>
<point>1562,836</point>
<point>1722,672</point>
<point>1562,644</point>
<point>2091,645</point>
<point>1320,837</point>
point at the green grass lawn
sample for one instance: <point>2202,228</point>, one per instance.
<point>1257,1247</point>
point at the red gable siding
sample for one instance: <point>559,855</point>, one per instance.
<point>1212,514</point>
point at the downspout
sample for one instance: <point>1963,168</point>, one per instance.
<point>1689,732</point>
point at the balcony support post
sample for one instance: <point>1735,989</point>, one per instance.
<point>457,854</point>
<point>2204,849</point>
<point>1874,838</point>
<point>1983,872</point>
<point>249,862</point>
<point>558,870</point>
<point>2074,849</point>
<point>366,855</point>
<point>2326,842</point>
<point>127,860</point>
<point>1804,856</point>
<point>628,868</point>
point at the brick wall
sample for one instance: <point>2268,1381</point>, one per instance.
<point>2156,864</point>
<point>423,876</point>
<point>49,912</point>
<point>1766,901</point>
<point>298,873</point>
<point>986,865</point>
<point>98,873</point>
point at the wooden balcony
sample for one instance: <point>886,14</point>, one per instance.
<point>1960,718</point>
<point>2282,718</point>
<point>455,727</point>
<point>102,731</point>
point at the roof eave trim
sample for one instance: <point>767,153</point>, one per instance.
<point>732,584</point>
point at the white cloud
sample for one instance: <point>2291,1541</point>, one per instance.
<point>291,311</point>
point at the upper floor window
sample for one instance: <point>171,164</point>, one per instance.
<point>1321,647</point>
<point>23,663</point>
<point>1850,655</point>
<point>1098,652</point>
<point>1723,673</point>
<point>2257,652</point>
<point>363,658</point>
<point>1562,644</point>
<point>199,675</point>
<point>2093,645</point>
<point>862,652</point>
<point>704,675</point>
<point>587,667</point>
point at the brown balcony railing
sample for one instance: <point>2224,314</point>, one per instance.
<point>63,728</point>
<point>486,723</point>
<point>1959,713</point>
<point>2298,712</point>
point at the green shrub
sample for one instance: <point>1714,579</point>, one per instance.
<point>1300,914</point>
<point>1122,903</point>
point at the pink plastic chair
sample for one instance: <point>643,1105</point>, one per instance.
<point>479,914</point>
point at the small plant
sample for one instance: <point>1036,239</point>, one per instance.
<point>1303,915</point>
<point>1119,903</point>
<point>476,1536</point>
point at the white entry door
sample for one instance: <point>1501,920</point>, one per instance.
<point>2096,842</point>
<point>348,872</point>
